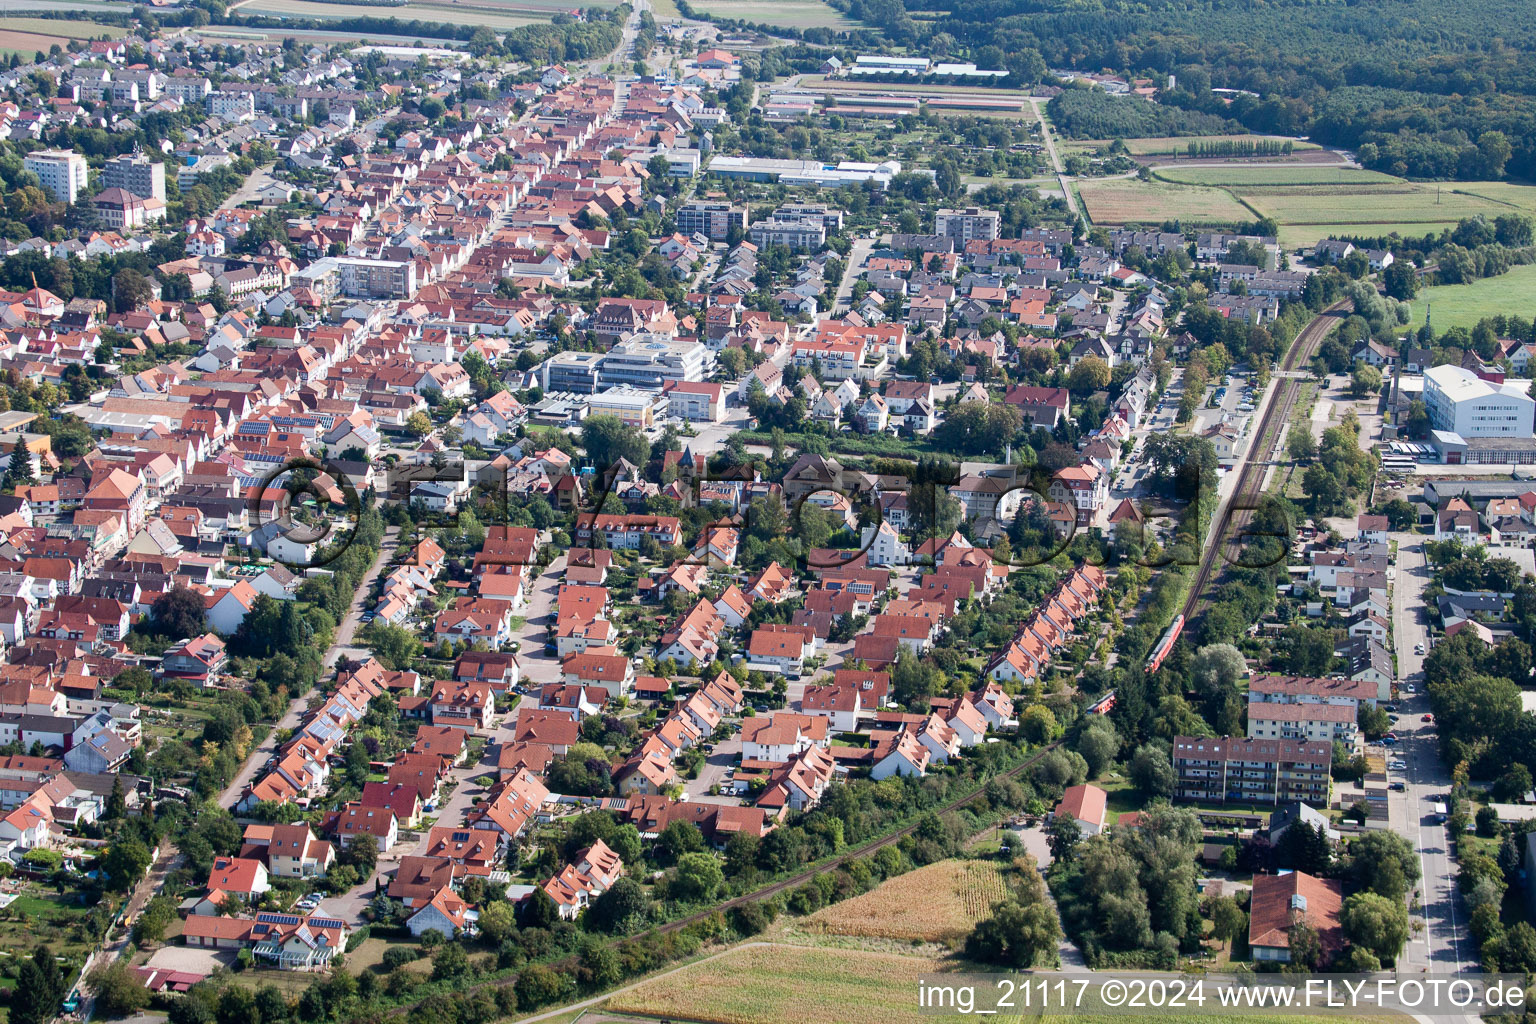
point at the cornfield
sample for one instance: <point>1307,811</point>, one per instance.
<point>938,903</point>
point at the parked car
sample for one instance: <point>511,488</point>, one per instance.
<point>1428,718</point>
<point>1398,787</point>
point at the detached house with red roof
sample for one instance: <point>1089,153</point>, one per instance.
<point>233,876</point>
<point>463,704</point>
<point>603,667</point>
<point>358,823</point>
<point>290,851</point>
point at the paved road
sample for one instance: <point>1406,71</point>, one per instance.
<point>852,270</point>
<point>1056,164</point>
<point>1443,944</point>
<point>260,178</point>
<point>536,666</point>
<point>342,643</point>
<point>719,761</point>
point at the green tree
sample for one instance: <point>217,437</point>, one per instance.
<point>1300,444</point>
<point>1151,771</point>
<point>1063,835</point>
<point>1089,375</point>
<point>1384,863</point>
<point>607,439</point>
<point>178,613</point>
<point>1376,923</point>
<point>1364,381</point>
<point>696,878</point>
<point>118,991</point>
<point>1228,920</point>
<point>1017,935</point>
<point>125,863</point>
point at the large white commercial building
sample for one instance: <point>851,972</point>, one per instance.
<point>804,172</point>
<point>61,172</point>
<point>1460,402</point>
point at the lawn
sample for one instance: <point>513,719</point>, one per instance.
<point>784,13</point>
<point>1128,201</point>
<point>1278,174</point>
<point>938,903</point>
<point>1463,305</point>
<point>41,915</point>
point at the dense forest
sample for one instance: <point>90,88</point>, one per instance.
<point>1420,88</point>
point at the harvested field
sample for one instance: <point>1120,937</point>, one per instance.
<point>1128,201</point>
<point>774,984</point>
<point>1276,175</point>
<point>770,984</point>
<point>26,36</point>
<point>938,903</point>
<point>785,13</point>
<point>496,14</point>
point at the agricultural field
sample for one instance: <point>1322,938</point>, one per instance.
<point>1126,201</point>
<point>1178,145</point>
<point>499,16</point>
<point>1276,175</point>
<point>938,903</point>
<point>1463,305</point>
<point>1308,202</point>
<point>769,984</point>
<point>26,36</point>
<point>785,13</point>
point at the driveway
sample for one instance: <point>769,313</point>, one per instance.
<point>725,756</point>
<point>191,959</point>
<point>537,667</point>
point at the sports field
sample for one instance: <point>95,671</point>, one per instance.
<point>26,36</point>
<point>785,13</point>
<point>1463,305</point>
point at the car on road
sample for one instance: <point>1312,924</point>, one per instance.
<point>1398,787</point>
<point>1398,765</point>
<point>1418,648</point>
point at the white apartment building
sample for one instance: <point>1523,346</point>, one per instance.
<point>1463,403</point>
<point>1311,722</point>
<point>61,172</point>
<point>967,224</point>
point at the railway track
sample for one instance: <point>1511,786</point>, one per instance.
<point>1232,516</point>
